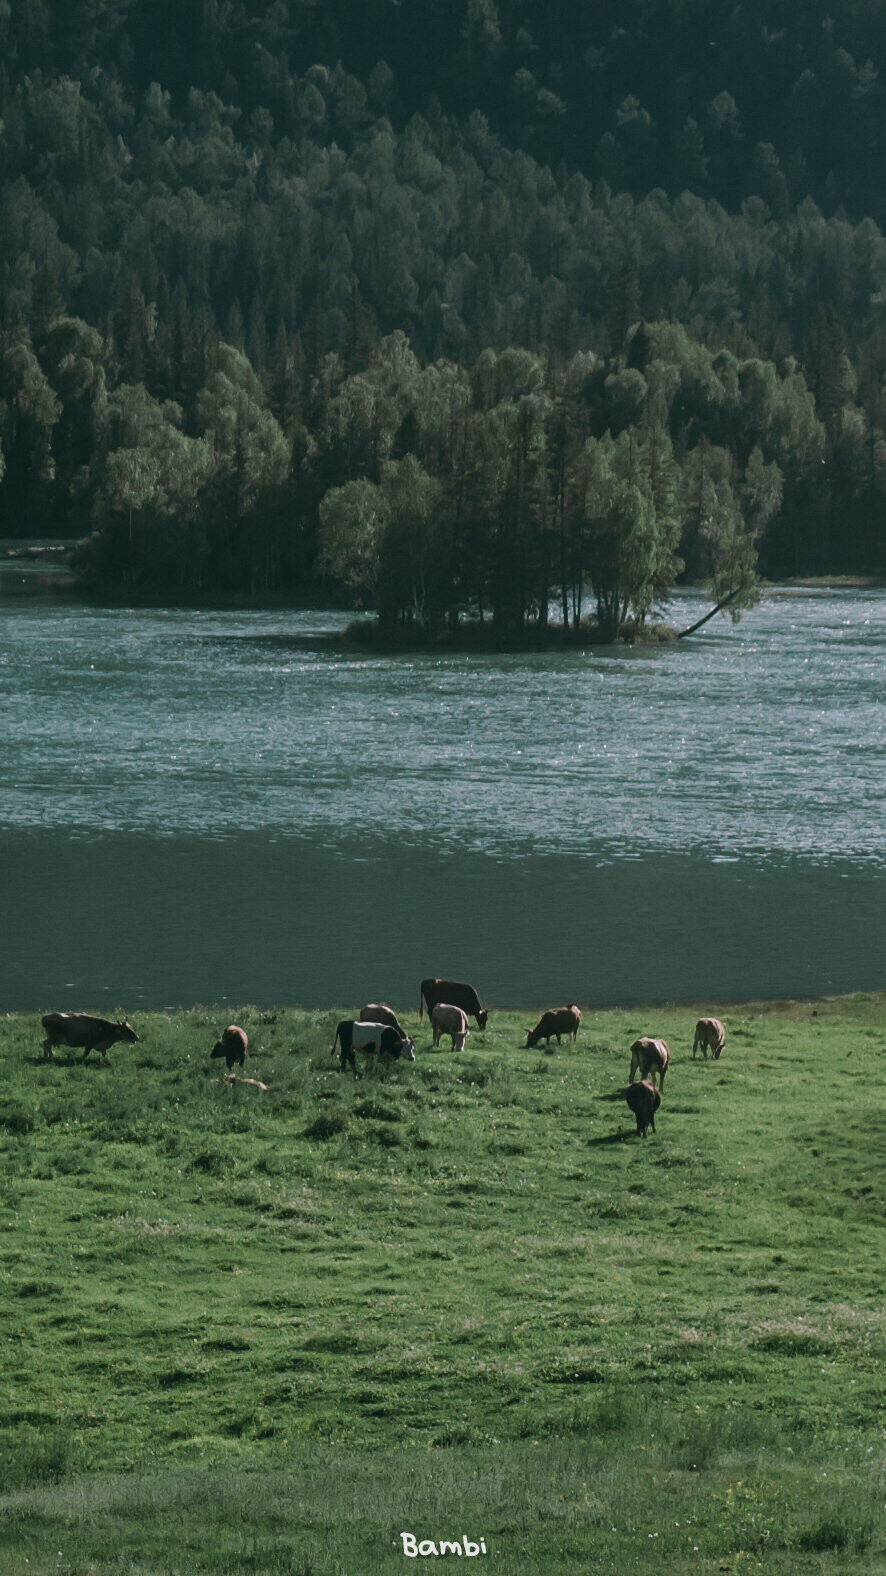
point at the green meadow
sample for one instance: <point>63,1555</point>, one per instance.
<point>248,1331</point>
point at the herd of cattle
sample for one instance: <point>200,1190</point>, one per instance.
<point>378,1032</point>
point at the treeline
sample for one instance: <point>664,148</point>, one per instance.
<point>268,317</point>
<point>431,486</point>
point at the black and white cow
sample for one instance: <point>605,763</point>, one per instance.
<point>375,1038</point>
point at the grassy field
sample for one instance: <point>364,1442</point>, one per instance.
<point>269,1332</point>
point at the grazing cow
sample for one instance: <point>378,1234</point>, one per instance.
<point>711,1036</point>
<point>651,1057</point>
<point>77,1028</point>
<point>560,1020</point>
<point>380,1012</point>
<point>644,1100</point>
<point>454,994</point>
<point>450,1020</point>
<point>374,1037</point>
<point>232,1046</point>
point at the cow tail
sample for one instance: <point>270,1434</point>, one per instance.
<point>421,1005</point>
<point>334,1044</point>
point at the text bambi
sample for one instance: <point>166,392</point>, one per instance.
<point>458,1546</point>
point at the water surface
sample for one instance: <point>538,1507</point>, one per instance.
<point>206,807</point>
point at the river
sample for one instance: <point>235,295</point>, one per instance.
<point>209,807</point>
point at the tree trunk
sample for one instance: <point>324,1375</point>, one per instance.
<point>724,602</point>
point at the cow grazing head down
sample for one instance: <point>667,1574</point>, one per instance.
<point>378,1039</point>
<point>454,992</point>
<point>644,1100</point>
<point>650,1057</point>
<point>232,1045</point>
<point>447,1019</point>
<point>710,1035</point>
<point>82,1030</point>
<point>380,1012</point>
<point>558,1021</point>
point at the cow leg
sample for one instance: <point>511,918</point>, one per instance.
<point>48,1055</point>
<point>86,1052</point>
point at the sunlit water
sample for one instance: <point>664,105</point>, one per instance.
<point>205,806</point>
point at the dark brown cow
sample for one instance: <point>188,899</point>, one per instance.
<point>380,1012</point>
<point>455,994</point>
<point>232,1046</point>
<point>651,1057</point>
<point>711,1036</point>
<point>79,1029</point>
<point>644,1100</point>
<point>559,1020</point>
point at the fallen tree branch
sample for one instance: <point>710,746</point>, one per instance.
<point>724,602</point>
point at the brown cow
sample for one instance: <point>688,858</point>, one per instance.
<point>559,1020</point>
<point>380,1012</point>
<point>78,1028</point>
<point>644,1100</point>
<point>232,1046</point>
<point>456,994</point>
<point>711,1036</point>
<point>651,1057</point>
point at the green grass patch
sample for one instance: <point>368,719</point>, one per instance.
<point>250,1331</point>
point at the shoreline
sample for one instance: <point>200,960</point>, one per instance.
<point>784,1006</point>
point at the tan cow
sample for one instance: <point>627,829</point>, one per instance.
<point>380,1012</point>
<point>450,1020</point>
<point>650,1057</point>
<point>711,1036</point>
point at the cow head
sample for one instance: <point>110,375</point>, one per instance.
<point>716,1052</point>
<point>407,1050</point>
<point>531,1040</point>
<point>482,1015</point>
<point>127,1033</point>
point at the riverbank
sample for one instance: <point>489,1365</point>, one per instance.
<point>471,636</point>
<point>459,1298</point>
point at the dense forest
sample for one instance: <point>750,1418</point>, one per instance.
<point>445,303</point>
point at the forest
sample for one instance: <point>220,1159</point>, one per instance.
<point>435,305</point>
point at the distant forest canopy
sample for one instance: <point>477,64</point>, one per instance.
<point>445,301</point>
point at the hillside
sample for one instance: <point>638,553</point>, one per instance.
<point>444,305</point>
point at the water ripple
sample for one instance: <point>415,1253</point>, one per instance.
<point>759,741</point>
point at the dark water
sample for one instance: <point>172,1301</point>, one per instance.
<point>202,807</point>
